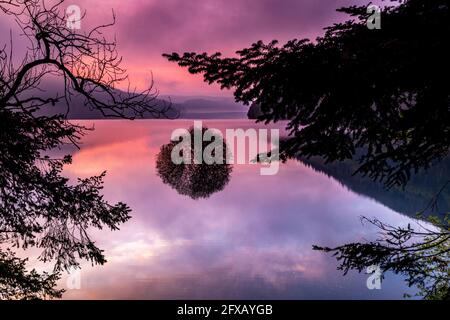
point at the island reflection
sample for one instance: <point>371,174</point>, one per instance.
<point>194,180</point>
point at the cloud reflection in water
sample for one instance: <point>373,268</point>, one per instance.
<point>251,240</point>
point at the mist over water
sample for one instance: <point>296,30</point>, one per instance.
<point>251,240</point>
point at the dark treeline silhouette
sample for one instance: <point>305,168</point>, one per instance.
<point>379,98</point>
<point>38,206</point>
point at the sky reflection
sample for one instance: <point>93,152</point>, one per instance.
<point>252,240</point>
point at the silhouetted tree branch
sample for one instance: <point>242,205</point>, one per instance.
<point>374,95</point>
<point>38,206</point>
<point>422,256</point>
<point>17,283</point>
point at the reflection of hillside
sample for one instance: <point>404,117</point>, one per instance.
<point>414,198</point>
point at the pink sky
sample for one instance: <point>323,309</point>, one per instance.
<point>147,28</point>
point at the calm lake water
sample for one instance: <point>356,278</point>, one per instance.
<point>252,240</point>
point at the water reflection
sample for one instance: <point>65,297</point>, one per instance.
<point>414,198</point>
<point>194,180</point>
<point>251,240</point>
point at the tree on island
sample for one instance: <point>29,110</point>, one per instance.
<point>376,96</point>
<point>39,207</point>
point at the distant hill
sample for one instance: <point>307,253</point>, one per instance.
<point>211,108</point>
<point>78,110</point>
<point>186,107</point>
